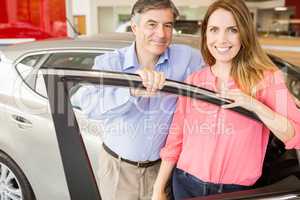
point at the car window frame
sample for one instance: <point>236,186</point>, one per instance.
<point>65,56</point>
<point>46,55</point>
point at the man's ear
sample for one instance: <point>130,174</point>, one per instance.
<point>133,26</point>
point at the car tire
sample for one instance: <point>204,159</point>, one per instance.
<point>13,182</point>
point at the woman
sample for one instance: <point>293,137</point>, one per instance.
<point>214,149</point>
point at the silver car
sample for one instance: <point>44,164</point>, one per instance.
<point>32,160</point>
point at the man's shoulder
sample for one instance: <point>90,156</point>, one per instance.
<point>184,50</point>
<point>112,60</point>
<point>115,54</point>
<point>181,47</point>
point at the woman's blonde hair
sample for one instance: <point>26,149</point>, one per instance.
<point>249,64</point>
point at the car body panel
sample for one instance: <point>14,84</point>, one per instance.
<point>43,151</point>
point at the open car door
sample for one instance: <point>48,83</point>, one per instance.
<point>77,167</point>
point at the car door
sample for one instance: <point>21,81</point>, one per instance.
<point>287,189</point>
<point>30,135</point>
<point>75,59</point>
<point>30,140</point>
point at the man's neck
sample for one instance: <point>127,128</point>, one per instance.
<point>146,59</point>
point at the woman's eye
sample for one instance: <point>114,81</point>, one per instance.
<point>233,30</point>
<point>213,30</point>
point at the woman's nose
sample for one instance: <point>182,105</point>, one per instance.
<point>222,36</point>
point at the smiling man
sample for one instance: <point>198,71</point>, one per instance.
<point>136,122</point>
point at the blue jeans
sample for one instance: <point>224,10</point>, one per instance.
<point>187,186</point>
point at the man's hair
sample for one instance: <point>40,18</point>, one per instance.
<point>142,6</point>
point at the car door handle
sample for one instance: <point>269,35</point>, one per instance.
<point>21,121</point>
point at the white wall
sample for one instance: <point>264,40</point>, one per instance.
<point>80,7</point>
<point>69,15</point>
<point>105,19</point>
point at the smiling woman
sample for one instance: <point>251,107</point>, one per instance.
<point>229,156</point>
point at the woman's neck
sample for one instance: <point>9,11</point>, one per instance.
<point>222,70</point>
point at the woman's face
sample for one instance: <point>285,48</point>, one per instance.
<point>222,36</point>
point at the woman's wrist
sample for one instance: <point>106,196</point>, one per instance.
<point>255,105</point>
<point>158,187</point>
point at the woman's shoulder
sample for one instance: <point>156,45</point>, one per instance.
<point>271,78</point>
<point>199,75</point>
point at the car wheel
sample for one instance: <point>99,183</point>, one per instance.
<point>13,183</point>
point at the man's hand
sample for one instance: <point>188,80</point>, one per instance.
<point>152,81</point>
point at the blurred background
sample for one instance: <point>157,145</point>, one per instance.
<point>277,21</point>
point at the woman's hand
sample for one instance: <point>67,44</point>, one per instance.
<point>277,123</point>
<point>239,99</point>
<point>161,182</point>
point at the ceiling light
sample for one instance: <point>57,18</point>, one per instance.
<point>280,8</point>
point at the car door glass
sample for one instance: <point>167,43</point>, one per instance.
<point>34,79</point>
<point>25,67</point>
<point>40,85</point>
<point>73,60</point>
<point>31,60</point>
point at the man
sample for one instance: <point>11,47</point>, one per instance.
<point>135,121</point>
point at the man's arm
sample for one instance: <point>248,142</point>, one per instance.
<point>152,81</point>
<point>95,101</point>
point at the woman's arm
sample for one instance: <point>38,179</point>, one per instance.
<point>280,126</point>
<point>164,174</point>
<point>279,123</point>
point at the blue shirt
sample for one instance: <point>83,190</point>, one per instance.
<point>136,127</point>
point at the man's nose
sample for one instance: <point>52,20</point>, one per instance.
<point>160,31</point>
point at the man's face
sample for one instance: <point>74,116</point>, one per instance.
<point>153,30</point>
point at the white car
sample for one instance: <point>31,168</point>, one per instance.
<point>29,154</point>
<point>35,156</point>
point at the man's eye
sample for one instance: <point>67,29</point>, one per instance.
<point>169,25</point>
<point>151,25</point>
